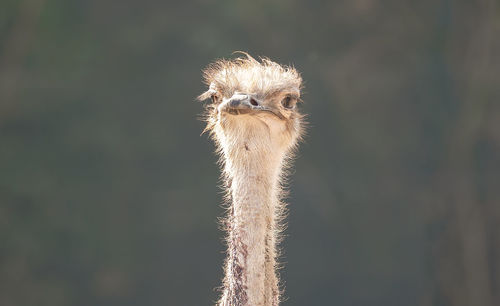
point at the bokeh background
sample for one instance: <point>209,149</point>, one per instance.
<point>109,195</point>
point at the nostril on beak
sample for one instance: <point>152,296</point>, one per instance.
<point>253,102</point>
<point>234,103</point>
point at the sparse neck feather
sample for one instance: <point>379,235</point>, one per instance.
<point>252,169</point>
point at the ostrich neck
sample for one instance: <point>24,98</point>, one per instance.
<point>253,175</point>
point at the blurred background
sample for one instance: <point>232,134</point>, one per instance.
<point>109,195</point>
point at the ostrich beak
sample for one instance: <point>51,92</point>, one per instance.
<point>240,104</point>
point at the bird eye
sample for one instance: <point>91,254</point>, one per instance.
<point>288,102</point>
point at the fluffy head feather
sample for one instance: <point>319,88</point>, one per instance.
<point>266,77</point>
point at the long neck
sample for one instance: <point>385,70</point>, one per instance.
<point>253,180</point>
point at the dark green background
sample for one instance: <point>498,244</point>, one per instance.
<point>108,193</point>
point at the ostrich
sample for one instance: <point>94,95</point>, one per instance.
<point>256,126</point>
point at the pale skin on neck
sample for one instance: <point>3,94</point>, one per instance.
<point>253,165</point>
<point>255,134</point>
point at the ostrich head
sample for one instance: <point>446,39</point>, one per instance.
<point>253,104</point>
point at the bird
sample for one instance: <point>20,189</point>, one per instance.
<point>253,117</point>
